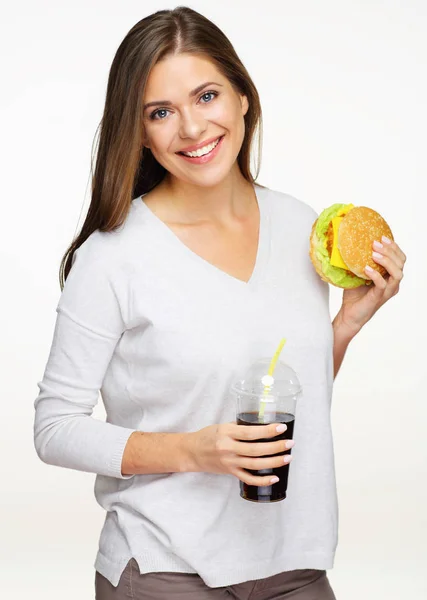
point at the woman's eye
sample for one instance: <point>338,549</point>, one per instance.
<point>158,112</point>
<point>208,94</point>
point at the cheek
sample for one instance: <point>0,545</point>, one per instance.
<point>225,115</point>
<point>161,136</point>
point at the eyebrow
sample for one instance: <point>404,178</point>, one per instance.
<point>194,92</point>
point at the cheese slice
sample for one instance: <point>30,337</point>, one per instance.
<point>336,258</point>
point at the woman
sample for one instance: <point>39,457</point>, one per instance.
<point>185,272</point>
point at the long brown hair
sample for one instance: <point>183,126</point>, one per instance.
<point>125,168</point>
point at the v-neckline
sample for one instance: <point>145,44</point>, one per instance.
<point>263,241</point>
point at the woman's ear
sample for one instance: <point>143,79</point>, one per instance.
<point>245,104</point>
<point>145,141</point>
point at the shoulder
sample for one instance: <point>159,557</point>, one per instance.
<point>289,214</point>
<point>99,250</point>
<point>115,251</point>
<point>287,204</point>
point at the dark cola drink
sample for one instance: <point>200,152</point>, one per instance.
<point>276,491</point>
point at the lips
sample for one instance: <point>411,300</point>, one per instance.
<point>199,146</point>
<point>204,159</point>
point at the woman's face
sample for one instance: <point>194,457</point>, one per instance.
<point>195,105</point>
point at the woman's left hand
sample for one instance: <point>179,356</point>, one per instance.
<point>359,305</point>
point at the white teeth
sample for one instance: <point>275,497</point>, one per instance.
<point>202,151</point>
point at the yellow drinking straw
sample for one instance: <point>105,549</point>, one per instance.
<point>270,373</point>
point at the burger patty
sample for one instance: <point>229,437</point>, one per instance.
<point>330,239</point>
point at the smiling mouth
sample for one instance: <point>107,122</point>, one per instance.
<point>203,151</point>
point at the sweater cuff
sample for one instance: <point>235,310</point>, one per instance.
<point>117,456</point>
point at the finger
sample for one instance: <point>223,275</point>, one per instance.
<point>260,449</point>
<point>390,251</point>
<point>256,464</point>
<point>257,432</point>
<point>379,281</point>
<point>257,480</point>
<point>391,267</point>
<point>395,247</point>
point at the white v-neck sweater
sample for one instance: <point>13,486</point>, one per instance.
<point>162,333</point>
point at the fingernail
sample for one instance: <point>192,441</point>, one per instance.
<point>386,240</point>
<point>287,458</point>
<point>290,444</point>
<point>376,255</point>
<point>378,246</point>
<point>281,428</point>
<point>369,269</point>
<point>274,480</point>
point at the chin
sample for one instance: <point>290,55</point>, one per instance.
<point>207,177</point>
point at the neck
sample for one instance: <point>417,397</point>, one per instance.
<point>231,199</point>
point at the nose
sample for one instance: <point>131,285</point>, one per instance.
<point>192,124</point>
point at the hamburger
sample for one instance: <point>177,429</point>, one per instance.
<point>341,244</point>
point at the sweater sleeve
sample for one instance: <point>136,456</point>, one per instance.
<point>88,327</point>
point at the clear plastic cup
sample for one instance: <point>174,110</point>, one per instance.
<point>262,399</point>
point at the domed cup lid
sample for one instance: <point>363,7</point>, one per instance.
<point>255,380</point>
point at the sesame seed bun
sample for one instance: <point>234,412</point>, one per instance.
<point>360,227</point>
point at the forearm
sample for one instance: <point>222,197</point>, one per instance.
<point>342,338</point>
<point>147,453</point>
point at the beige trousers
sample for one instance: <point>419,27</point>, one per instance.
<point>302,584</point>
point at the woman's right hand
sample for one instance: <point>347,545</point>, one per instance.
<point>230,448</point>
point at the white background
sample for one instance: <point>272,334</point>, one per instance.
<point>344,94</point>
